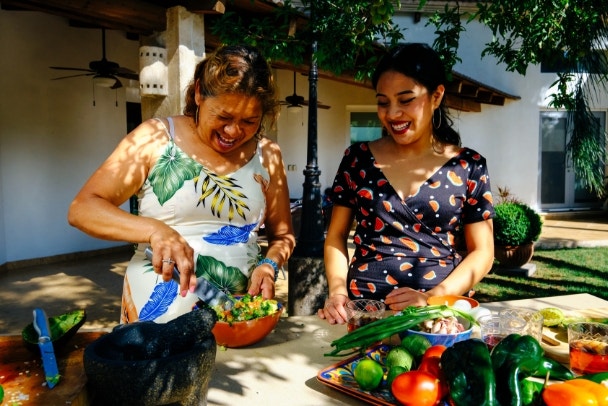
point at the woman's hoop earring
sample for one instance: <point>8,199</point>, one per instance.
<point>436,126</point>
<point>196,116</point>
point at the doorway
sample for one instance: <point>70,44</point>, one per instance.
<point>560,187</point>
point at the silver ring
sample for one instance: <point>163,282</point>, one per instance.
<point>168,261</point>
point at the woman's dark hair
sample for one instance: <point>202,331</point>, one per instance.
<point>421,63</point>
<point>235,69</point>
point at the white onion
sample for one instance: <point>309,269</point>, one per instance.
<point>478,312</point>
<point>462,304</point>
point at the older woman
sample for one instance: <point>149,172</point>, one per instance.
<point>205,181</point>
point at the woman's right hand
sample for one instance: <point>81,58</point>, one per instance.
<point>171,250</point>
<point>334,310</point>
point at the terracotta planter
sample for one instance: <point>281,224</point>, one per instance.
<point>513,256</point>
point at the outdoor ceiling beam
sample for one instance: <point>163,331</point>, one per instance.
<point>497,100</point>
<point>132,16</point>
<point>455,102</point>
<point>484,96</point>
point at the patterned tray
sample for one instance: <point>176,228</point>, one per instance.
<point>340,376</point>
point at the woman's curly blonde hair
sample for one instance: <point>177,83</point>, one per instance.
<point>235,69</point>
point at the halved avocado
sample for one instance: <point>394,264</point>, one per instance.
<point>62,328</point>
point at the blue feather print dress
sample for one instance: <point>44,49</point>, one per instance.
<point>219,216</point>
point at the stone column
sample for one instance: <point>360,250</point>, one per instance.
<point>184,41</point>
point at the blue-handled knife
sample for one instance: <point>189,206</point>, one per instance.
<point>205,290</point>
<point>49,362</point>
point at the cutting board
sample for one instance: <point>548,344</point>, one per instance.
<point>22,375</point>
<point>561,352</point>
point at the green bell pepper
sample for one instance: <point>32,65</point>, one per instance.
<point>557,371</point>
<point>467,368</point>
<point>515,358</point>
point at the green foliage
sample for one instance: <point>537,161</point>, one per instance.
<point>516,224</point>
<point>447,40</point>
<point>347,33</point>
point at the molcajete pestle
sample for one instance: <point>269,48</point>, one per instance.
<point>149,364</point>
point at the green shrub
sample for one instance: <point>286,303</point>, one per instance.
<point>516,224</point>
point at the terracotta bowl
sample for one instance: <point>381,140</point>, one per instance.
<point>450,300</point>
<point>244,333</point>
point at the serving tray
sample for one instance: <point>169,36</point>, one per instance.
<point>340,376</point>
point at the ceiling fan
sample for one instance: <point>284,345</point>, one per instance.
<point>296,100</point>
<point>105,73</point>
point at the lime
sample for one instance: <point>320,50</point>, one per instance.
<point>399,356</point>
<point>393,373</point>
<point>416,345</point>
<point>368,374</point>
<point>552,316</point>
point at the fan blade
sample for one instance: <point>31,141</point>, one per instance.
<point>319,105</point>
<point>74,76</point>
<point>65,68</point>
<point>127,75</point>
<point>117,84</point>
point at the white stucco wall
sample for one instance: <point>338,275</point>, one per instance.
<point>52,137</point>
<point>332,128</point>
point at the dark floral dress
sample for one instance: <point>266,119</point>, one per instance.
<point>413,242</point>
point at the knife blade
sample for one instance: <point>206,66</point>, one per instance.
<point>49,362</point>
<point>205,290</point>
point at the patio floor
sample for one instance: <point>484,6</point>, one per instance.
<point>95,283</point>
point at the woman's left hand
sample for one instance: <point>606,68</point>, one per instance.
<point>262,280</point>
<point>401,298</point>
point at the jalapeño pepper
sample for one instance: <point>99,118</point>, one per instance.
<point>557,371</point>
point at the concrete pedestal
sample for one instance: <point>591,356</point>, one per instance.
<point>525,270</point>
<point>307,285</point>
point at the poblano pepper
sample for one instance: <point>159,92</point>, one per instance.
<point>515,358</point>
<point>557,371</point>
<point>467,368</point>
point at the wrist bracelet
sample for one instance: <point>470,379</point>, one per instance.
<point>272,264</point>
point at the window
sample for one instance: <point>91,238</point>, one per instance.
<point>364,126</point>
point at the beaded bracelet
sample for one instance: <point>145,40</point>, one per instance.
<point>272,264</point>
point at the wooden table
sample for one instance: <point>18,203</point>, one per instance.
<point>282,368</point>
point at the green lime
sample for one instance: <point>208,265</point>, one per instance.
<point>393,373</point>
<point>416,345</point>
<point>552,316</point>
<point>368,374</point>
<point>399,356</point>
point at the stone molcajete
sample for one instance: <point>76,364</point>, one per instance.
<point>146,363</point>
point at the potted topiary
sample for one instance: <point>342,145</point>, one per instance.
<point>516,227</point>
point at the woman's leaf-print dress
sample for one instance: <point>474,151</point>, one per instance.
<point>219,216</point>
<point>411,242</point>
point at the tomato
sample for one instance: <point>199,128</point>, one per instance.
<point>416,388</point>
<point>434,351</point>
<point>432,365</point>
